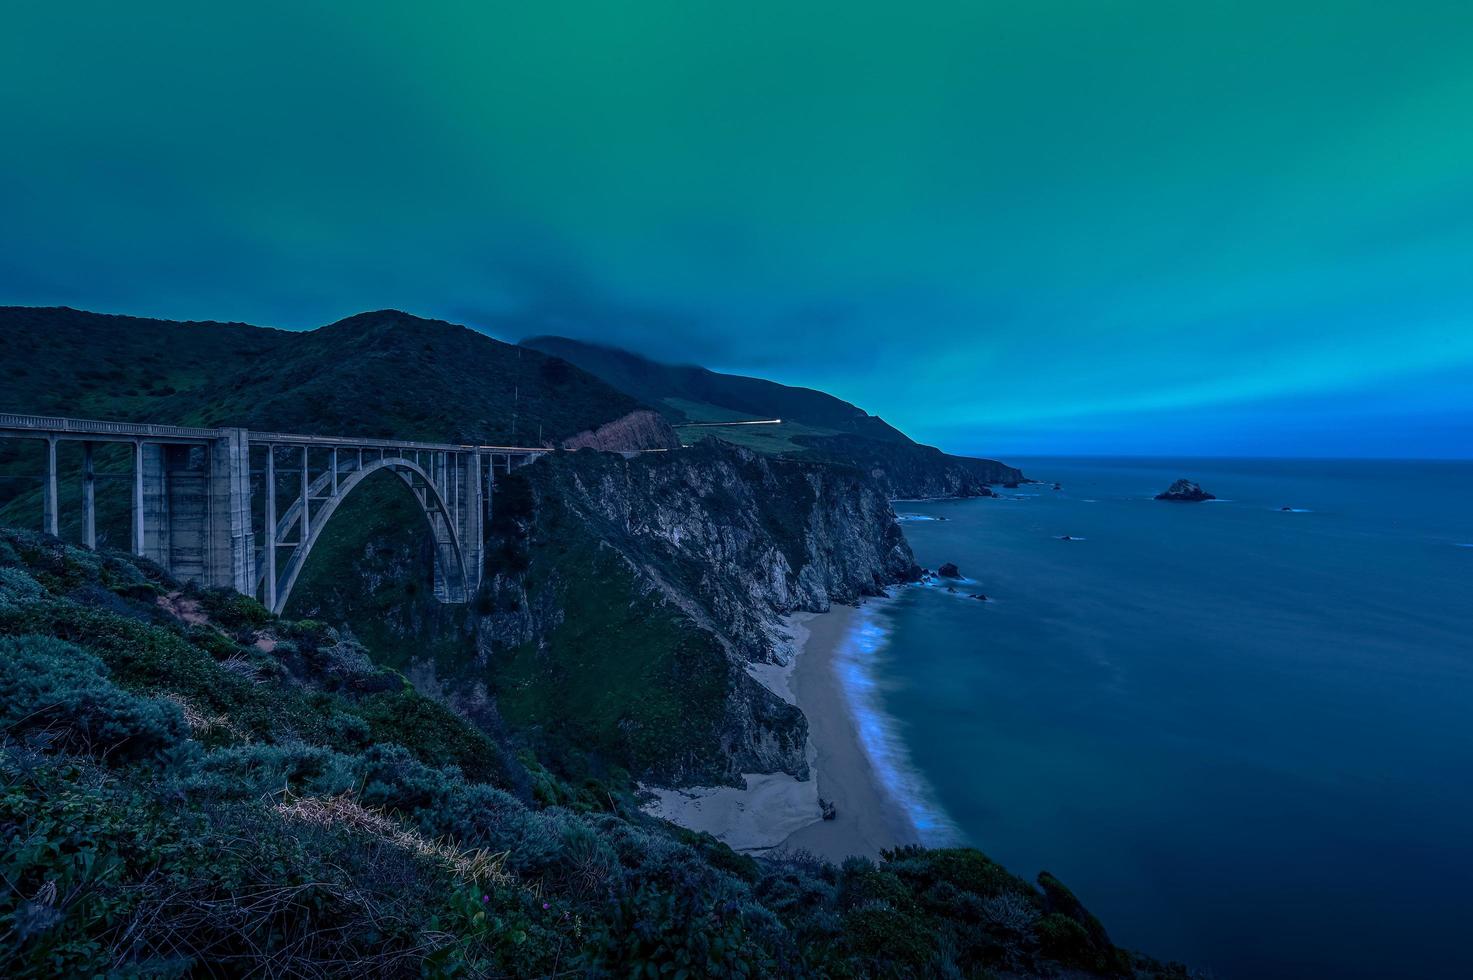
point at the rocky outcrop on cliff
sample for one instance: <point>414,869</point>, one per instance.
<point>636,431</point>
<point>749,538</point>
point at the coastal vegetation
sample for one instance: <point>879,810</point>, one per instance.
<point>188,784</point>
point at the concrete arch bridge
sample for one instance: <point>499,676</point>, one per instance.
<point>243,509</point>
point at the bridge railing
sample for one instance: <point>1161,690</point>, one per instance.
<point>43,425</point>
<point>346,442</point>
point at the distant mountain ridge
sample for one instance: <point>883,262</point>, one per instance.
<point>680,390</point>
<point>815,425</point>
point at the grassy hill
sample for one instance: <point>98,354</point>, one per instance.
<point>814,424</point>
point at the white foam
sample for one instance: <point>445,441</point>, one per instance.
<point>879,735</point>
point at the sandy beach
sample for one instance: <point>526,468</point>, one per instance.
<point>777,811</point>
<point>867,820</point>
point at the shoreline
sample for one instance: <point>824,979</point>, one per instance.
<point>868,819</point>
<point>777,811</point>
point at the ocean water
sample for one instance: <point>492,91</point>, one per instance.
<point>1242,735</point>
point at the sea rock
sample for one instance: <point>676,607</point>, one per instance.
<point>949,570</point>
<point>827,808</point>
<point>1185,490</point>
<point>978,595</point>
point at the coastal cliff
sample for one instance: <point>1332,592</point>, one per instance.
<point>910,471</point>
<point>625,598</point>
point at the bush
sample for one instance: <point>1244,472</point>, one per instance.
<point>17,587</point>
<point>51,687</point>
<point>255,771</point>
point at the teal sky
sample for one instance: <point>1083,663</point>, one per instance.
<point>1008,227</point>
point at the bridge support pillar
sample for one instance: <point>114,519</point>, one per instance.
<point>153,503</point>
<point>139,546</point>
<point>51,516</point>
<point>192,510</point>
<point>306,519</point>
<point>268,553</point>
<point>231,552</point>
<point>89,498</point>
<point>449,587</point>
<point>472,521</point>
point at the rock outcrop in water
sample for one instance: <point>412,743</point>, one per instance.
<point>1185,490</point>
<point>949,570</point>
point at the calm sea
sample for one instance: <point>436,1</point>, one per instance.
<point>1243,735</point>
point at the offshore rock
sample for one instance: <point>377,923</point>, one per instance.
<point>1185,490</point>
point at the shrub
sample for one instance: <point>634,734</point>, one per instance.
<point>255,771</point>
<point>51,687</point>
<point>17,587</point>
<point>877,931</point>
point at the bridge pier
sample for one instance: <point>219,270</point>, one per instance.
<point>49,505</point>
<point>196,511</point>
<point>138,546</point>
<point>268,552</point>
<point>89,498</point>
<point>232,541</point>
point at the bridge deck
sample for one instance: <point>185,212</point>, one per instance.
<point>90,430</point>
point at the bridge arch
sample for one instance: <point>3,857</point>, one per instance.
<point>451,574</point>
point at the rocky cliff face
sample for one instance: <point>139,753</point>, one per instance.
<point>625,598</point>
<point>643,429</point>
<point>737,539</point>
<point>712,545</point>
